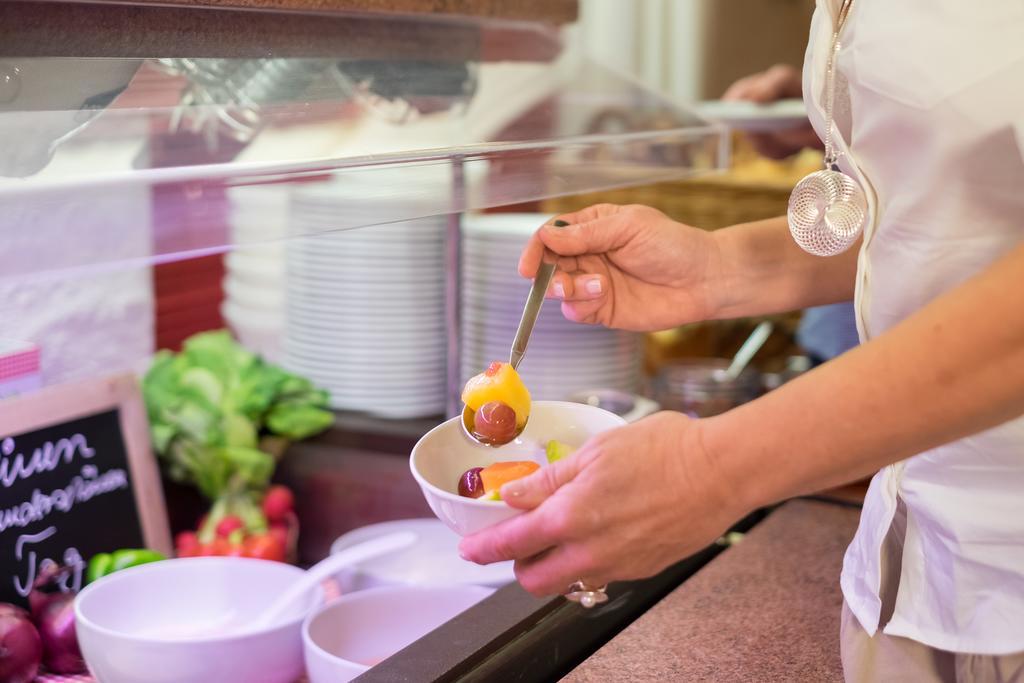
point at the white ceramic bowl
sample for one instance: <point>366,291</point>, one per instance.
<point>356,631</point>
<point>152,623</point>
<point>444,453</point>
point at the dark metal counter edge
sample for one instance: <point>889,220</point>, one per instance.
<point>515,637</point>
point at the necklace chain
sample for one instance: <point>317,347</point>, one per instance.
<point>830,84</point>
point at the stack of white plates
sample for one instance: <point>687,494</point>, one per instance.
<point>365,308</point>
<point>563,357</point>
<point>254,282</point>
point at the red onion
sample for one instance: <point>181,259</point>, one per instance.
<point>45,588</point>
<point>20,646</point>
<point>56,623</point>
<point>53,612</point>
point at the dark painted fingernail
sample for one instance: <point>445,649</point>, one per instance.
<point>560,224</point>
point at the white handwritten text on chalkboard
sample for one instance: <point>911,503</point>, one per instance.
<point>81,488</point>
<point>45,458</point>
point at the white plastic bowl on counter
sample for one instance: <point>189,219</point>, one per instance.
<point>357,631</point>
<point>432,560</point>
<point>444,453</point>
<point>159,623</point>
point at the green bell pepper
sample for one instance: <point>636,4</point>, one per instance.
<point>107,563</point>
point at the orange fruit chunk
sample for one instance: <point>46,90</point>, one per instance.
<point>499,382</point>
<point>497,475</point>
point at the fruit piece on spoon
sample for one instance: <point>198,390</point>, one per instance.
<point>499,403</point>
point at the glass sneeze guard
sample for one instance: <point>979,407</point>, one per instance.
<point>115,169</point>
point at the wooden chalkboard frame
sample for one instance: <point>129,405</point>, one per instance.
<point>63,403</point>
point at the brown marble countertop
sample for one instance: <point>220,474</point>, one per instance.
<point>767,609</point>
<point>554,11</point>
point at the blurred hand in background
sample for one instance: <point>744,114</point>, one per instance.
<point>781,81</point>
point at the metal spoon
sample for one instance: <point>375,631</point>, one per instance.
<point>531,310</point>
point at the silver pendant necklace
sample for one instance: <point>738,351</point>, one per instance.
<point>828,208</point>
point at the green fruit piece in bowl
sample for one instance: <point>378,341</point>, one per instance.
<point>557,450</point>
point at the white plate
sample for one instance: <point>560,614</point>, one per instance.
<point>534,375</point>
<point>389,409</point>
<point>351,240</point>
<point>542,373</point>
<point>394,364</point>
<point>485,225</point>
<point>394,399</point>
<point>346,278</point>
<point>398,394</point>
<point>380,372</point>
<point>334,348</point>
<point>332,226</point>
<point>392,403</point>
<point>325,338</point>
<point>309,240</point>
<point>366,293</point>
<point>382,365</point>
<point>266,299</point>
<point>250,317</point>
<point>418,254</point>
<point>320,301</point>
<point>425,409</point>
<point>272,265</point>
<point>752,117</point>
<point>366,388</point>
<point>323,331</point>
<point>321,313</point>
<point>433,559</point>
<point>354,271</point>
<point>374,323</point>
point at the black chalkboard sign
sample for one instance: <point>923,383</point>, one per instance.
<point>76,478</point>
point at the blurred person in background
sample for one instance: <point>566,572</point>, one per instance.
<point>825,331</point>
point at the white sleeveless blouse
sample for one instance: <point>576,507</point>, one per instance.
<point>934,130</point>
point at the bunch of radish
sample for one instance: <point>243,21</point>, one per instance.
<point>242,527</point>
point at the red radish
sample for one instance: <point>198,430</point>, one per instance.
<point>191,551</point>
<point>186,541</point>
<point>265,547</point>
<point>279,532</point>
<point>227,525</point>
<point>219,547</point>
<point>21,649</point>
<point>278,502</point>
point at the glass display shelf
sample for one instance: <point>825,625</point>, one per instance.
<point>424,130</point>
<point>148,193</point>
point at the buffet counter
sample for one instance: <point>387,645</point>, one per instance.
<point>765,610</point>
